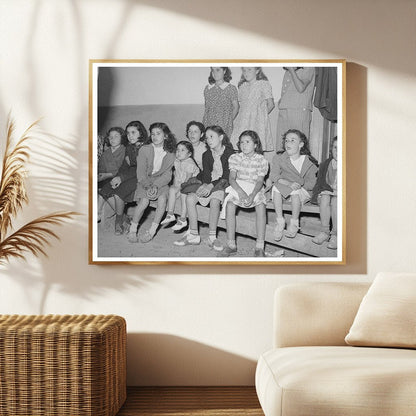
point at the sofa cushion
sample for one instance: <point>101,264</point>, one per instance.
<point>387,314</point>
<point>304,381</point>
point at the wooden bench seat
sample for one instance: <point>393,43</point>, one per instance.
<point>246,225</point>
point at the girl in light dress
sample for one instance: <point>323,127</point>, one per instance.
<point>293,176</point>
<point>325,194</point>
<point>247,171</point>
<point>256,102</point>
<point>185,168</point>
<point>221,100</point>
<point>214,178</point>
<point>154,172</point>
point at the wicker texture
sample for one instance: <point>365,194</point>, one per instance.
<point>62,365</point>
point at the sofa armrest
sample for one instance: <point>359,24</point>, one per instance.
<point>308,314</point>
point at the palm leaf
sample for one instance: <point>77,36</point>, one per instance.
<point>33,237</point>
<point>12,186</point>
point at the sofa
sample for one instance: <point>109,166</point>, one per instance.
<point>311,369</point>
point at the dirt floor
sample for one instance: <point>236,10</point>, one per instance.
<point>111,245</point>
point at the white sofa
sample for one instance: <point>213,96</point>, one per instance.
<point>311,371</point>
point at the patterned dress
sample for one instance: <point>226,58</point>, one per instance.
<point>248,170</point>
<point>219,106</point>
<point>253,114</point>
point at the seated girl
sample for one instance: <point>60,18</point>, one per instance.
<point>214,178</point>
<point>154,172</point>
<point>123,185</point>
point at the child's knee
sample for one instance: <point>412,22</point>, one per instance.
<point>191,199</point>
<point>162,199</point>
<point>231,207</point>
<point>215,203</point>
<point>143,203</point>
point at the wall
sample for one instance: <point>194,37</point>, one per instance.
<point>200,324</point>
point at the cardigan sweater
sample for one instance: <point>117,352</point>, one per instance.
<point>282,168</point>
<point>110,162</point>
<point>208,165</point>
<point>145,168</point>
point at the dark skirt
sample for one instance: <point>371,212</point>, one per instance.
<point>141,192</point>
<point>125,191</point>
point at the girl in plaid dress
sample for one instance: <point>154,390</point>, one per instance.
<point>247,171</point>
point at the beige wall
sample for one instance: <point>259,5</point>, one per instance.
<point>199,324</point>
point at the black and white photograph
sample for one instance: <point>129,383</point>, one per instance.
<point>211,162</point>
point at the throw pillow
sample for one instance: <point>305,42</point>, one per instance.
<point>387,314</point>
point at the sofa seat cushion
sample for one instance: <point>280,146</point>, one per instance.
<point>305,381</point>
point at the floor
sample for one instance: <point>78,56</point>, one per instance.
<point>187,401</point>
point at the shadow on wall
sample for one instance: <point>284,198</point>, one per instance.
<point>161,359</point>
<point>334,27</point>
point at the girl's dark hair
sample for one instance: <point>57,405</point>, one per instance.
<point>304,150</point>
<point>259,76</point>
<point>225,140</point>
<point>227,75</point>
<point>119,130</point>
<point>169,144</point>
<point>256,140</point>
<point>200,126</point>
<point>140,128</point>
<point>188,146</point>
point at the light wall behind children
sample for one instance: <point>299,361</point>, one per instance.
<point>196,325</point>
<point>169,94</point>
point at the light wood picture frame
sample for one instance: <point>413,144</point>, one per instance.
<point>176,92</point>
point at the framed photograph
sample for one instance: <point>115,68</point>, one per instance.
<point>217,162</point>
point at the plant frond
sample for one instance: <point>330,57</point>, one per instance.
<point>12,185</point>
<point>33,237</point>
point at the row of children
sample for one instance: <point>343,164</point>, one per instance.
<point>206,170</point>
<point>249,106</point>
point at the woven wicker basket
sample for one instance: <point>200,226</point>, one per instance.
<point>71,365</point>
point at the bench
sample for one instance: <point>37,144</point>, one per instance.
<point>246,225</point>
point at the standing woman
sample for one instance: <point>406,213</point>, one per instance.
<point>256,102</point>
<point>221,100</point>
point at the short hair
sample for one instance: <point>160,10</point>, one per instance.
<point>219,130</point>
<point>119,130</point>
<point>188,146</point>
<point>198,124</point>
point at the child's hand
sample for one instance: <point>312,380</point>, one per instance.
<point>295,186</point>
<point>151,192</point>
<point>242,196</point>
<point>249,200</point>
<point>204,190</point>
<point>115,182</point>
